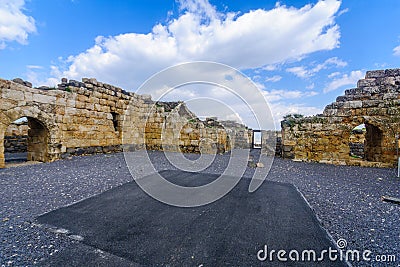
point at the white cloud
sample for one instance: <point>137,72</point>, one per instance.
<point>396,51</point>
<point>275,78</point>
<point>249,40</point>
<point>303,72</point>
<point>310,86</point>
<point>299,71</point>
<point>280,109</point>
<point>344,11</point>
<point>345,79</point>
<point>333,74</point>
<point>36,75</point>
<point>36,67</point>
<point>270,67</point>
<point>277,95</point>
<point>14,24</point>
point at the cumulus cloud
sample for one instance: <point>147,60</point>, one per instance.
<point>276,95</point>
<point>14,24</point>
<point>303,72</point>
<point>250,40</point>
<point>281,109</point>
<point>275,78</point>
<point>345,79</point>
<point>279,103</point>
<point>396,51</point>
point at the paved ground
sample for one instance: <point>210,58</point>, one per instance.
<point>346,199</point>
<point>128,223</point>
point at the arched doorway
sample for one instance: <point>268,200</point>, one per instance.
<point>365,142</point>
<point>26,139</point>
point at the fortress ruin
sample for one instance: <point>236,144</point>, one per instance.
<point>89,117</point>
<point>329,137</point>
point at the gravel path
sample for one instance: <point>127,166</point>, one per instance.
<point>346,199</point>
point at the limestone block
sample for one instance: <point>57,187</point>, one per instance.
<point>344,112</point>
<point>39,98</point>
<point>97,94</point>
<point>390,96</point>
<point>353,104</point>
<point>61,101</point>
<point>71,102</point>
<point>82,98</point>
<point>89,106</point>
<point>375,74</point>
<point>7,104</point>
<point>393,111</point>
<point>102,100</point>
<point>15,95</point>
<point>105,109</point>
<point>28,96</point>
<point>370,103</point>
<point>366,82</point>
<point>59,110</point>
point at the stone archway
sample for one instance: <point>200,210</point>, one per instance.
<point>372,136</point>
<point>36,141</point>
<point>41,144</point>
<point>366,142</point>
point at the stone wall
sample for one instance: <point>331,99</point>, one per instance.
<point>87,117</point>
<point>271,143</point>
<point>241,136</point>
<point>356,143</point>
<point>16,138</point>
<point>325,137</point>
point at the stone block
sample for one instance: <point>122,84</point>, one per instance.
<point>353,104</point>
<point>11,94</point>
<point>375,74</point>
<point>366,83</point>
<point>40,98</point>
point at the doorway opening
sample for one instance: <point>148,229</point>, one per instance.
<point>365,142</point>
<point>373,143</point>
<point>26,139</point>
<point>257,136</point>
<point>356,142</point>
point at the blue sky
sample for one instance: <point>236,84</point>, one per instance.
<point>302,54</point>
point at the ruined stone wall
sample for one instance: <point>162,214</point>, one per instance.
<point>325,137</point>
<point>16,138</point>
<point>92,117</point>
<point>271,143</point>
<point>240,135</point>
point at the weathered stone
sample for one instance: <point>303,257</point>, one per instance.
<point>341,99</point>
<point>374,103</point>
<point>375,74</point>
<point>80,122</point>
<point>353,104</point>
<point>15,95</point>
<point>366,83</point>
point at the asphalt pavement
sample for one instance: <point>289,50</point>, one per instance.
<point>125,227</point>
